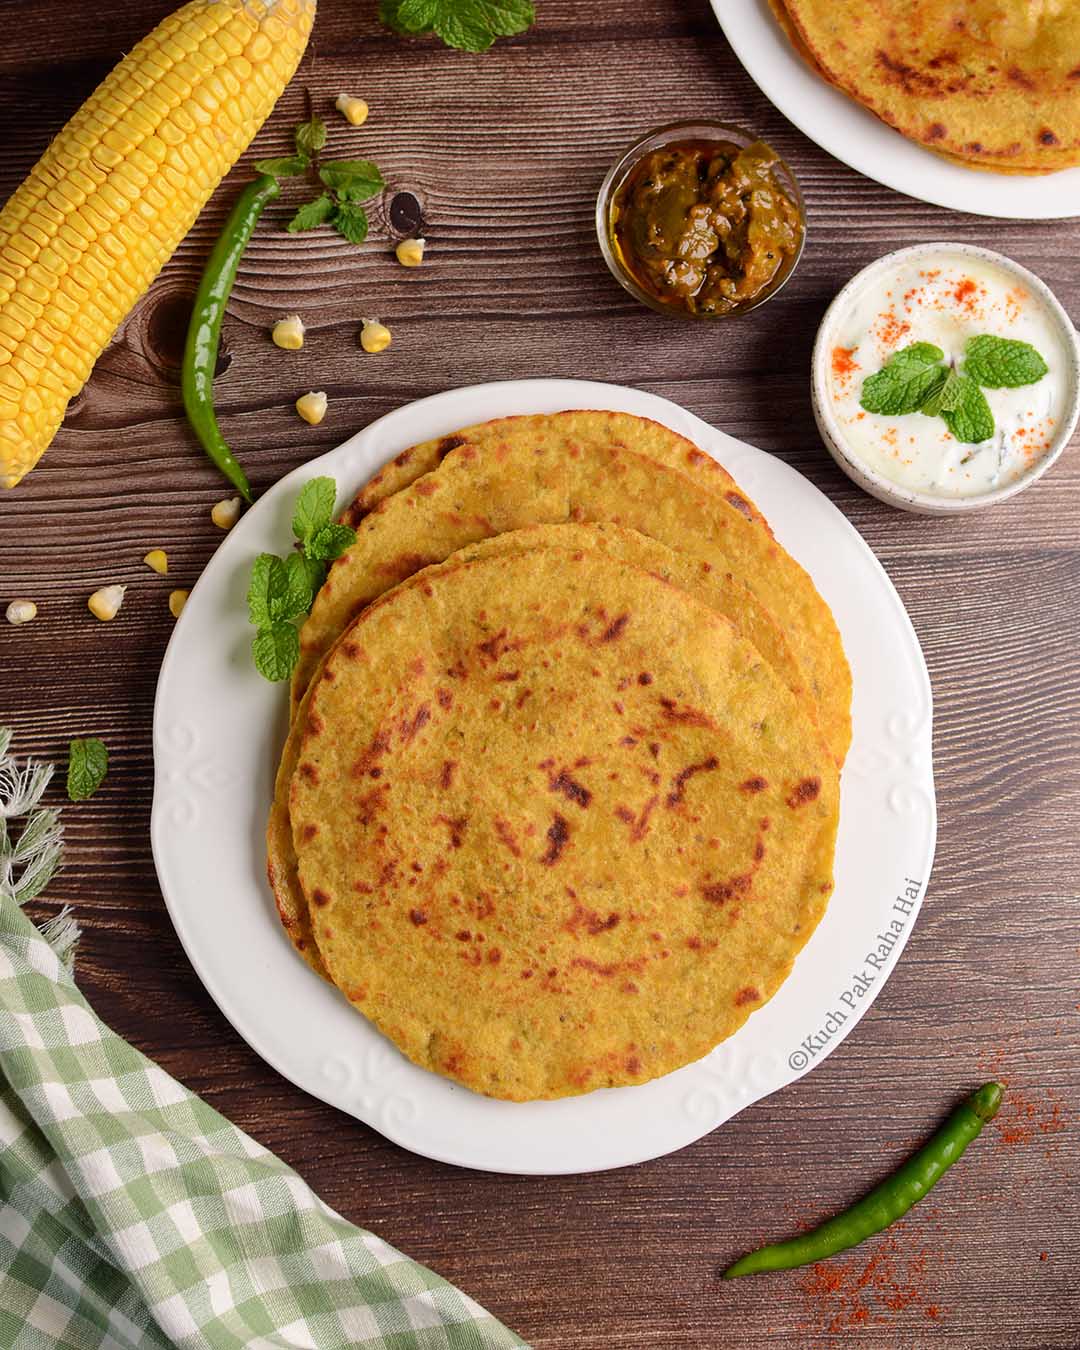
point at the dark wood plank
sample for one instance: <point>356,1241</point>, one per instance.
<point>506,152</point>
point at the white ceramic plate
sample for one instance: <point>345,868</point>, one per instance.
<point>218,728</point>
<point>845,129</point>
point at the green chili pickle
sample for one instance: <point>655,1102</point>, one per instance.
<point>704,226</point>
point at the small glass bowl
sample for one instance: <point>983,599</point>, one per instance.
<point>702,130</point>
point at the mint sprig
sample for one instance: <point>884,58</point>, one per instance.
<point>917,379</point>
<point>88,763</point>
<point>345,183</point>
<point>469,25</point>
<point>282,589</point>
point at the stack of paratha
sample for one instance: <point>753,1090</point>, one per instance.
<point>558,805</point>
<point>990,83</point>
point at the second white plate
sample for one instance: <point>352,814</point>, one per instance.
<point>218,728</point>
<point>845,129</point>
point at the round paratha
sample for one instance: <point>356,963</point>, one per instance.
<point>559,827</point>
<point>477,492</point>
<point>719,590</point>
<point>571,433</point>
<point>987,82</point>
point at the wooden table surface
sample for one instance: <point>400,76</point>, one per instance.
<point>506,151</point>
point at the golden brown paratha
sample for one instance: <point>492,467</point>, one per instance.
<point>571,433</point>
<point>989,82</point>
<point>559,827</point>
<point>717,589</point>
<point>477,492</point>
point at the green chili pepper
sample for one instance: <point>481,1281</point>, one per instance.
<point>885,1203</point>
<point>204,331</point>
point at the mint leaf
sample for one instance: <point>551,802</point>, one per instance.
<point>470,25</point>
<point>310,137</point>
<point>299,595</point>
<point>283,589</point>
<point>88,763</point>
<point>355,180</point>
<point>276,650</point>
<point>968,417</point>
<point>314,507</point>
<point>903,385</point>
<point>330,542</point>
<point>311,216</point>
<point>409,16</point>
<point>316,571</point>
<point>267,591</point>
<point>1003,363</point>
<point>287,167</point>
<point>351,222</point>
<point>943,396</point>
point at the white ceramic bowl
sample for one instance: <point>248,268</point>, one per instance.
<point>908,499</point>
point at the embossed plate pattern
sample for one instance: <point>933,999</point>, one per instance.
<point>857,138</point>
<point>218,728</point>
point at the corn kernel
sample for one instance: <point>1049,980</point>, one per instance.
<point>410,252</point>
<point>158,560</point>
<point>354,110</point>
<point>105,603</point>
<point>312,407</point>
<point>21,611</point>
<point>177,601</point>
<point>374,336</point>
<point>226,513</point>
<point>289,333</point>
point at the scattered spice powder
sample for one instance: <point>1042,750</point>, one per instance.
<point>889,329</point>
<point>843,363</point>
<point>871,1290</point>
<point>1026,1120</point>
<point>1014,303</point>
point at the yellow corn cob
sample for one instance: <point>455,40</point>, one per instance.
<point>116,191</point>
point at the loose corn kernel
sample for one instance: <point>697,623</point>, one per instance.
<point>354,110</point>
<point>410,252</point>
<point>21,611</point>
<point>177,601</point>
<point>289,333</point>
<point>374,336</point>
<point>105,603</point>
<point>312,408</point>
<point>158,560</point>
<point>226,513</point>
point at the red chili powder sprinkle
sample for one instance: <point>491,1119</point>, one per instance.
<point>890,329</point>
<point>851,1293</point>
<point>965,294</point>
<point>1023,1120</point>
<point>842,363</point>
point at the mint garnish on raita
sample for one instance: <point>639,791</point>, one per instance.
<point>918,379</point>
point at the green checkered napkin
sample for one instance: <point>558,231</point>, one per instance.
<point>131,1213</point>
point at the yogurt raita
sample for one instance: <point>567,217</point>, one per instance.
<point>947,298</point>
